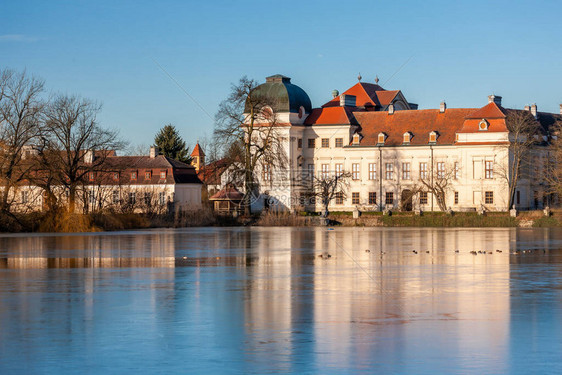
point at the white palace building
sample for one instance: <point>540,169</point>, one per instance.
<point>389,146</point>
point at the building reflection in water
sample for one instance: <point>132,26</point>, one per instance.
<point>383,297</point>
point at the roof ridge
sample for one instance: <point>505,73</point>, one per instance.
<point>492,106</point>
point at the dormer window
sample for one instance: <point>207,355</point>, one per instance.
<point>483,125</point>
<point>356,138</point>
<point>433,137</point>
<point>407,137</point>
<point>381,138</point>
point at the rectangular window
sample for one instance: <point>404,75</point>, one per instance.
<point>457,171</point>
<point>299,143</point>
<point>132,197</point>
<point>456,197</point>
<point>389,198</point>
<point>489,169</point>
<point>147,199</point>
<point>440,169</point>
<point>339,142</point>
<point>115,176</point>
<point>405,171</point>
<point>24,197</point>
<point>372,171</point>
<point>423,197</point>
<point>115,196</point>
<point>423,171</point>
<point>147,175</point>
<point>325,170</point>
<point>311,142</point>
<point>162,198</point>
<point>310,171</point>
<point>489,197</point>
<point>91,176</point>
<point>372,197</point>
<point>266,172</point>
<point>134,176</point>
<point>354,198</point>
<point>339,169</point>
<point>389,171</point>
<point>355,171</point>
<point>325,142</point>
<point>518,197</point>
<point>339,198</point>
<point>162,175</point>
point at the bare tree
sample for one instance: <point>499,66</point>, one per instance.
<point>247,118</point>
<point>523,129</point>
<point>327,186</point>
<point>20,110</point>
<point>136,149</point>
<point>553,172</point>
<point>77,145</point>
<point>437,181</point>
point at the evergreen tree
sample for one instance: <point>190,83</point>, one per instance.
<point>171,144</point>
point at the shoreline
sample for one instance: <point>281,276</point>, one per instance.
<point>109,222</point>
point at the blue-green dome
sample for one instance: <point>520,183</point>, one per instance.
<point>287,97</point>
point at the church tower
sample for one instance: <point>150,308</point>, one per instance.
<point>198,157</point>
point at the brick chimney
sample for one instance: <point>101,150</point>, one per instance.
<point>534,110</point>
<point>495,98</point>
<point>442,106</point>
<point>561,109</point>
<point>348,100</point>
<point>154,151</point>
<point>527,108</point>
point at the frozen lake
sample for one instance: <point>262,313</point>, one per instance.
<point>265,300</point>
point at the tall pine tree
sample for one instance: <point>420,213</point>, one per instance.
<point>171,144</point>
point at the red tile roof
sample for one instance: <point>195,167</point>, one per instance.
<point>471,125</point>
<point>386,97</point>
<point>331,116</point>
<point>228,193</point>
<point>176,171</point>
<point>367,94</point>
<point>419,122</point>
<point>197,151</point>
<point>211,173</point>
<point>491,110</point>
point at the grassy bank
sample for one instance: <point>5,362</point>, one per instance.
<point>399,219</point>
<point>107,221</point>
<point>444,220</point>
<point>65,222</point>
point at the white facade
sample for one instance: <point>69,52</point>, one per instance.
<point>472,151</point>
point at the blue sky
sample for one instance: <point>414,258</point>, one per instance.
<point>109,51</point>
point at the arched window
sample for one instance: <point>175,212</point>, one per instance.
<point>433,137</point>
<point>406,138</point>
<point>381,138</point>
